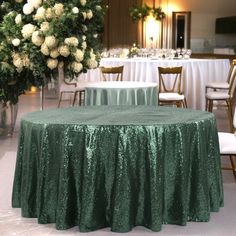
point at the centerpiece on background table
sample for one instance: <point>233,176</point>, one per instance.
<point>37,37</point>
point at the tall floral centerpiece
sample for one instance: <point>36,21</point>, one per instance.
<point>39,36</point>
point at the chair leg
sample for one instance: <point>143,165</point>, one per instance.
<point>74,99</point>
<point>59,103</point>
<point>80,97</point>
<point>185,103</point>
<point>207,104</point>
<point>230,115</point>
<point>233,165</point>
<point>210,105</point>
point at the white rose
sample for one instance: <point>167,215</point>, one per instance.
<point>52,63</point>
<point>95,36</point>
<point>49,13</point>
<point>37,39</point>
<point>75,10</point>
<point>35,3</point>
<point>51,41</point>
<point>92,64</point>
<point>44,26</point>
<point>64,50</point>
<point>28,9</point>
<point>84,45</point>
<point>84,15</point>
<point>27,30</point>
<point>83,2</point>
<point>84,28</point>
<point>16,42</point>
<point>54,53</point>
<point>84,37</point>
<point>98,8</point>
<point>77,67</point>
<point>40,14</point>
<point>79,55</point>
<point>89,14</point>
<point>92,56</point>
<point>18,19</point>
<point>44,49</point>
<point>72,41</point>
<point>58,9</point>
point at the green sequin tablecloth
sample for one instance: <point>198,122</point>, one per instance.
<point>118,167</point>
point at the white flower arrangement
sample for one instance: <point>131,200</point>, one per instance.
<point>39,36</point>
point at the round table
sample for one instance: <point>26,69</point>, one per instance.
<point>120,93</point>
<point>118,167</point>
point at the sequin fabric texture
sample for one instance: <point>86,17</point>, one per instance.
<point>118,167</point>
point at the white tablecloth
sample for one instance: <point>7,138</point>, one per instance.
<point>120,93</point>
<point>196,73</point>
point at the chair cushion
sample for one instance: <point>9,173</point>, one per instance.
<point>220,85</point>
<point>217,95</point>
<point>170,96</point>
<point>227,143</point>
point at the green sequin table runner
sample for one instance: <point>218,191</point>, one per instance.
<point>118,167</point>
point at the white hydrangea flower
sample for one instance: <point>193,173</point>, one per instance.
<point>72,41</point>
<point>40,13</point>
<point>64,50</point>
<point>89,14</point>
<point>44,26</point>
<point>52,63</point>
<point>27,30</point>
<point>16,42</point>
<point>35,3</point>
<point>17,62</point>
<point>18,19</point>
<point>51,41</point>
<point>84,45</point>
<point>37,39</point>
<point>92,64</point>
<point>49,13</point>
<point>58,9</point>
<point>79,55</point>
<point>75,10</point>
<point>76,67</point>
<point>25,60</point>
<point>44,49</point>
<point>28,9</point>
<point>83,2</point>
<point>54,53</point>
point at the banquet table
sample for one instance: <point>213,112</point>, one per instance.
<point>121,93</point>
<point>196,74</point>
<point>118,167</point>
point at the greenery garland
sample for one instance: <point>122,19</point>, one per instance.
<point>140,13</point>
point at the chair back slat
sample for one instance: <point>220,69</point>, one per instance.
<point>231,78</point>
<point>112,71</point>
<point>171,76</point>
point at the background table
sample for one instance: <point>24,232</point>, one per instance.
<point>196,73</point>
<point>118,166</point>
<point>121,93</point>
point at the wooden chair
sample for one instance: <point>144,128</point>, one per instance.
<point>109,73</point>
<point>170,87</point>
<point>227,142</point>
<point>68,87</point>
<point>223,92</point>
